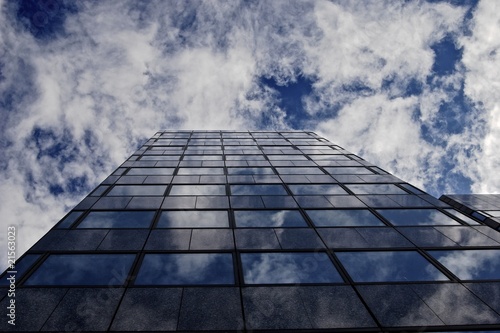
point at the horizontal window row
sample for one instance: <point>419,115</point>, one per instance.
<point>265,268</point>
<point>296,189</point>
<point>259,218</point>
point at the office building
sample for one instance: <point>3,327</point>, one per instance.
<point>258,231</point>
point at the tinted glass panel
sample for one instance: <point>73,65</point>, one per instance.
<point>376,189</point>
<point>471,264</point>
<point>461,216</point>
<point>200,171</point>
<point>269,218</point>
<point>388,266</point>
<point>21,267</point>
<point>349,171</point>
<point>69,220</point>
<point>131,190</point>
<point>193,219</point>
<point>121,219</point>
<point>317,189</point>
<point>299,171</point>
<point>99,190</point>
<point>257,190</point>
<point>343,217</point>
<point>82,269</point>
<point>198,190</point>
<point>186,268</point>
<point>416,217</point>
<point>150,171</point>
<point>250,171</point>
<point>284,268</point>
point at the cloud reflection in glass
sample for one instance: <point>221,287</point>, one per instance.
<point>186,269</point>
<point>288,268</point>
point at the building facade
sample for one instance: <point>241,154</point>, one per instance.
<point>257,231</point>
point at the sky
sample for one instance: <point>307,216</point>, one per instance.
<point>411,86</point>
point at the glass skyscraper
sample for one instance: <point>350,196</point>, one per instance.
<point>257,230</point>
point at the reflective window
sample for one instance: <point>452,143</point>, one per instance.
<point>132,190</point>
<point>21,266</point>
<point>471,264</point>
<point>202,157</point>
<point>257,190</point>
<point>118,219</point>
<point>389,266</point>
<point>250,171</point>
<point>200,171</point>
<point>343,218</point>
<point>82,269</point>
<point>376,189</point>
<point>245,158</point>
<point>69,220</point>
<point>286,267</point>
<point>198,190</point>
<point>269,218</point>
<point>150,171</point>
<point>186,268</point>
<point>461,216</point>
<point>317,189</point>
<point>348,171</point>
<point>160,158</point>
<point>193,219</point>
<point>99,191</point>
<point>416,217</point>
<point>299,171</point>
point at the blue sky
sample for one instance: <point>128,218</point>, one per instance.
<point>412,86</point>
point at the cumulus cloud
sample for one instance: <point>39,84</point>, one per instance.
<point>82,86</point>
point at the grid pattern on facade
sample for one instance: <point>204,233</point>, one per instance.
<point>484,207</point>
<point>226,230</point>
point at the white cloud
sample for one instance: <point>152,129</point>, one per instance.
<point>481,58</point>
<point>123,70</point>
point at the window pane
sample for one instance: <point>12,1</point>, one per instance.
<point>131,190</point>
<point>250,171</point>
<point>348,171</point>
<point>416,217</point>
<point>198,190</point>
<point>343,218</point>
<point>299,171</point>
<point>389,266</point>
<point>193,219</point>
<point>186,268</point>
<point>121,219</point>
<point>82,269</point>
<point>69,220</point>
<point>317,189</point>
<point>461,216</point>
<point>269,218</point>
<point>21,266</point>
<point>471,264</point>
<point>257,190</point>
<point>150,171</point>
<point>200,171</point>
<point>284,268</point>
<point>376,189</point>
<point>99,190</point>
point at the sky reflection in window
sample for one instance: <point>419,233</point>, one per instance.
<point>471,264</point>
<point>118,219</point>
<point>82,269</point>
<point>400,217</point>
<point>343,218</point>
<point>193,219</point>
<point>269,218</point>
<point>389,266</point>
<point>286,268</point>
<point>186,269</point>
